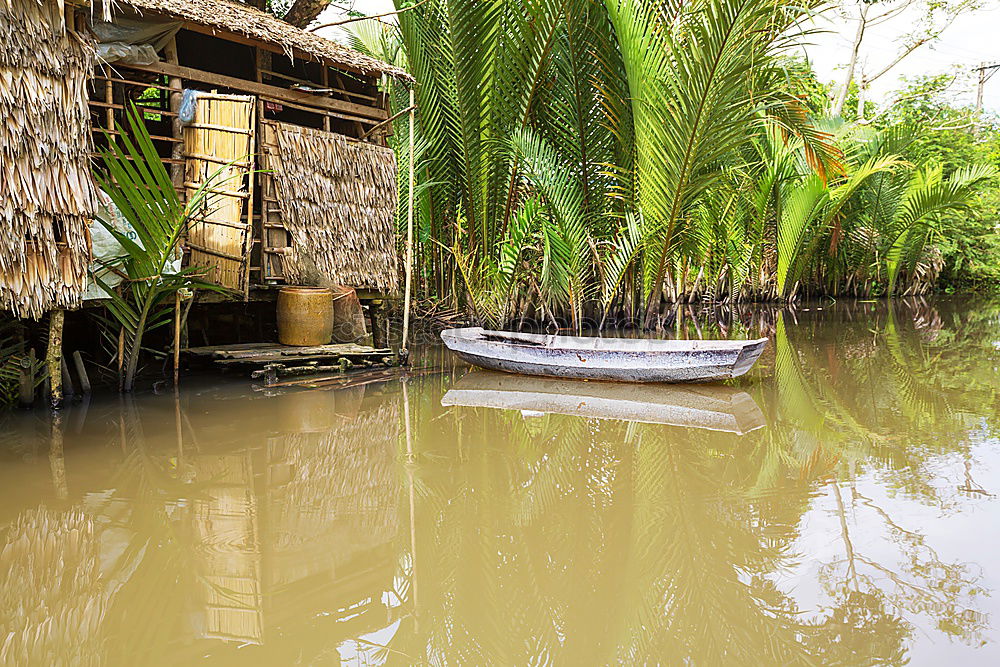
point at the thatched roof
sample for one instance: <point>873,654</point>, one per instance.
<point>338,203</point>
<point>46,195</point>
<point>250,22</point>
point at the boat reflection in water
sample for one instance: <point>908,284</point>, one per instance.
<point>709,406</point>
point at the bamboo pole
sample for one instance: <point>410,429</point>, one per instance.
<point>409,231</point>
<point>177,339</point>
<point>53,357</point>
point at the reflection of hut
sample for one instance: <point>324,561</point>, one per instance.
<point>46,195</point>
<point>331,497</point>
<point>225,525</point>
<point>312,107</point>
<point>52,596</point>
<point>319,535</point>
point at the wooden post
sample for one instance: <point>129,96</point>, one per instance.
<point>409,232</point>
<point>380,339</point>
<point>326,84</point>
<point>67,379</point>
<point>121,359</point>
<point>57,461</point>
<point>109,99</point>
<point>81,370</point>
<point>27,379</point>
<point>53,357</point>
<point>177,339</point>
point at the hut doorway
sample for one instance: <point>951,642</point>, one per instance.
<point>219,146</point>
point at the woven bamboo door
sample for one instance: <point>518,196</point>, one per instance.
<point>222,138</point>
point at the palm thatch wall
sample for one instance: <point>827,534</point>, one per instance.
<point>338,202</point>
<point>46,195</point>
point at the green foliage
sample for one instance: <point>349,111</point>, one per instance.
<point>11,357</point>
<point>952,137</point>
<point>135,179</point>
<point>580,158</point>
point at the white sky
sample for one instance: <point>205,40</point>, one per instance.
<point>970,40</point>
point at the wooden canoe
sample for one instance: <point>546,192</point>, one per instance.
<point>613,359</point>
<point>704,406</point>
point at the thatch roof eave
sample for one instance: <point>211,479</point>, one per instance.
<point>252,23</point>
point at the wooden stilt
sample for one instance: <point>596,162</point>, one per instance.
<point>26,380</point>
<point>177,339</point>
<point>379,328</point>
<point>53,357</point>
<point>121,360</point>
<point>67,378</point>
<point>57,461</point>
<point>81,371</point>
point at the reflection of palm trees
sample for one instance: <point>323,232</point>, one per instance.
<point>600,511</point>
<point>608,541</point>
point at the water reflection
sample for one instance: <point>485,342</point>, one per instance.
<point>714,407</point>
<point>377,525</point>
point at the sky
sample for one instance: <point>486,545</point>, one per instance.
<point>972,39</point>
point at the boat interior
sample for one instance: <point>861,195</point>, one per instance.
<point>552,341</point>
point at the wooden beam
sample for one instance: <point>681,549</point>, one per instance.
<point>340,91</point>
<point>263,89</point>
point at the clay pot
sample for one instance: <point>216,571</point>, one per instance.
<point>305,316</point>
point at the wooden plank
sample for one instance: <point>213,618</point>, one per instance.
<point>141,107</point>
<point>321,112</point>
<point>215,191</point>
<point>341,91</point>
<point>263,89</point>
<point>130,82</point>
<point>211,251</point>
<point>224,223</point>
<point>219,128</point>
<point>218,160</point>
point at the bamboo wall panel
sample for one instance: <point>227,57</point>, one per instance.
<point>222,137</point>
<point>337,199</point>
<point>47,197</point>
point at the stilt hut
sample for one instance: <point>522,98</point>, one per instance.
<point>218,82</point>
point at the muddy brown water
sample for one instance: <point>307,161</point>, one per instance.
<point>838,505</point>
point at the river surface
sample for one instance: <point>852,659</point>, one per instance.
<point>837,506</point>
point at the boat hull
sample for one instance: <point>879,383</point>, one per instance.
<point>617,360</point>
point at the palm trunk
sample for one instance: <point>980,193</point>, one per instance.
<point>135,348</point>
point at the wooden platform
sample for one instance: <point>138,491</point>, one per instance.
<point>271,361</point>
